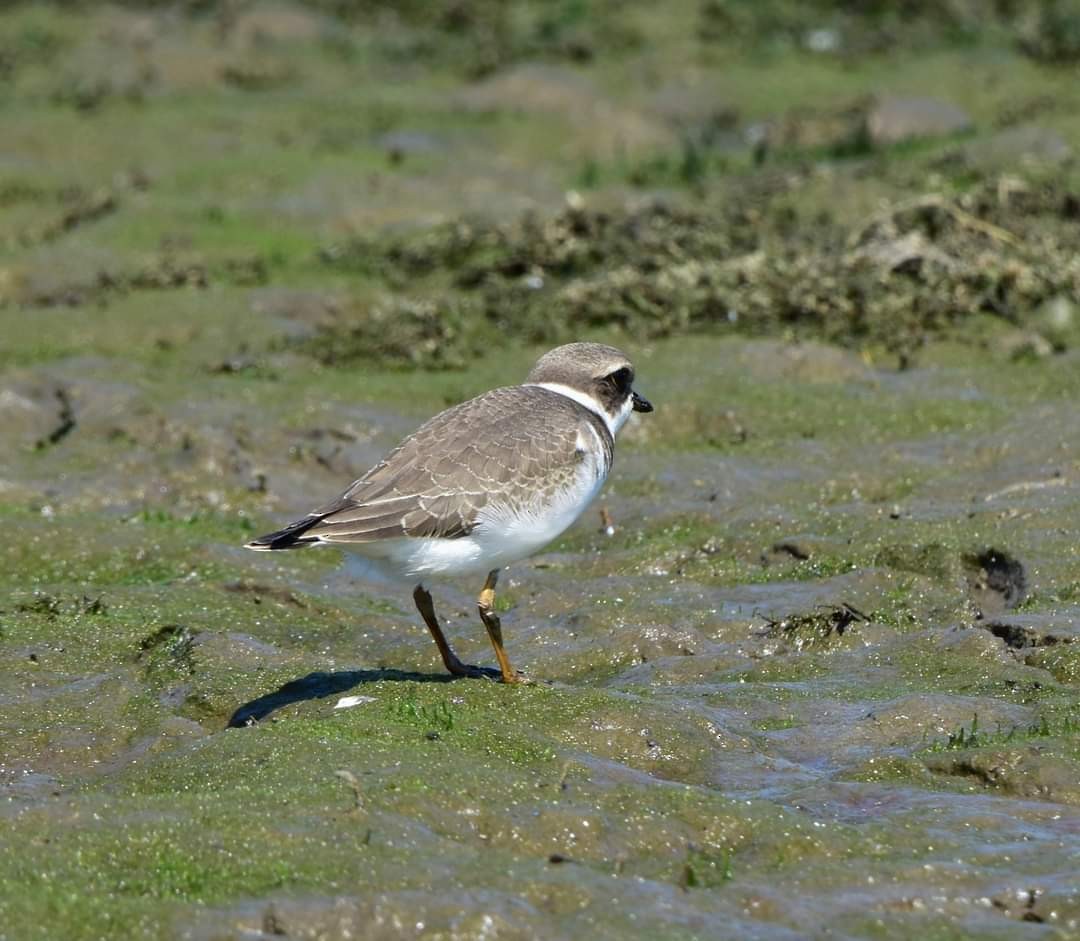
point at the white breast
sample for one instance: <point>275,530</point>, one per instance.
<point>507,536</point>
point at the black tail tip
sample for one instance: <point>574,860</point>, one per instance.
<point>291,537</point>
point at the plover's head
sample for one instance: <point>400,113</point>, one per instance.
<point>598,376</point>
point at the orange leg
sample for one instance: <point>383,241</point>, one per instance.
<point>486,604</point>
<point>450,659</point>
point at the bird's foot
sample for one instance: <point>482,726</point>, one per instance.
<point>517,678</point>
<point>457,668</point>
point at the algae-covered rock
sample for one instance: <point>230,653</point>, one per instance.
<point>928,269</point>
<point>402,333</point>
<point>1062,661</point>
<point>932,559</point>
<point>1027,771</point>
<point>893,119</point>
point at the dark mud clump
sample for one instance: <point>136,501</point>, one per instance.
<point>65,421</point>
<point>816,628</point>
<point>996,580</point>
<point>162,271</point>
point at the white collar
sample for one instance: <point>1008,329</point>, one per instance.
<point>613,422</point>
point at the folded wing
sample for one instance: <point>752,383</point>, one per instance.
<point>505,447</point>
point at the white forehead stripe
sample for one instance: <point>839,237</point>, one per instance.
<point>583,398</point>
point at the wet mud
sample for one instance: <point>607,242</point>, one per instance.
<point>811,665</point>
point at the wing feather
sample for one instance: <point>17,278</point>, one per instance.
<point>505,447</point>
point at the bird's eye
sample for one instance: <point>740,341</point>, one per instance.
<point>621,378</point>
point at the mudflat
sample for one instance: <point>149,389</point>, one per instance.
<point>821,675</point>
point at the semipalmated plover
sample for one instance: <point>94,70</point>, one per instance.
<point>484,483</point>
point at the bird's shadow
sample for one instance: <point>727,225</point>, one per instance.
<point>319,685</point>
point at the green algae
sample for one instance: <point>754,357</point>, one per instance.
<point>755,699</point>
<point>1062,662</point>
<point>168,641</point>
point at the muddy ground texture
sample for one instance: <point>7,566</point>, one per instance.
<point>821,679</point>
